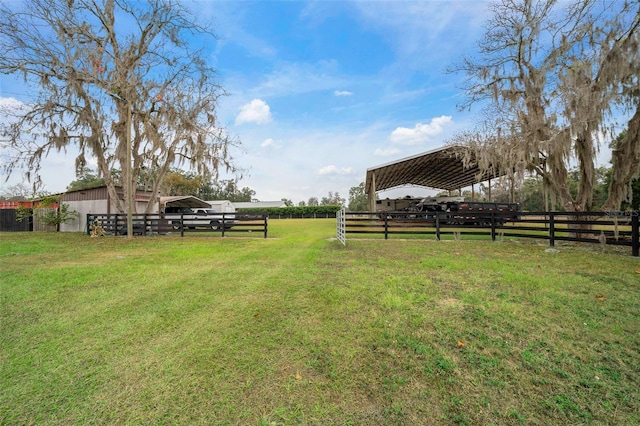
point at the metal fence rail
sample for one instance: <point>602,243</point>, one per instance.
<point>157,224</point>
<point>614,228</point>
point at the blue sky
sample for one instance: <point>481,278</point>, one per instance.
<point>321,91</point>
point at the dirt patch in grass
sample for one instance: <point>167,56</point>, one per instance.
<point>450,302</point>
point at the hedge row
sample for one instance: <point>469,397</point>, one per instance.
<point>292,211</point>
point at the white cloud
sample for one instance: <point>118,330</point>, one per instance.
<point>420,133</point>
<point>257,111</point>
<point>386,152</point>
<point>10,103</point>
<point>10,109</point>
<point>342,93</point>
<point>270,143</point>
<point>333,170</point>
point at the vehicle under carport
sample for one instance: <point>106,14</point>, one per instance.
<point>180,212</point>
<point>181,201</point>
<point>442,168</point>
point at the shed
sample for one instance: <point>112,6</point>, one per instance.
<point>259,204</point>
<point>222,206</point>
<point>97,200</point>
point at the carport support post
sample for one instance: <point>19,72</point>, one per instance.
<point>489,190</point>
<point>372,193</point>
<point>512,192</point>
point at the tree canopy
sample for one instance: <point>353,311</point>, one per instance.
<point>228,190</point>
<point>332,199</point>
<point>118,81</point>
<point>85,179</point>
<point>357,198</point>
<point>556,76</point>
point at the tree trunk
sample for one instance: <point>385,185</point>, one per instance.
<point>625,161</point>
<point>586,166</point>
<point>557,179</point>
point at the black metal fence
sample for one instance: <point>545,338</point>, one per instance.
<point>614,228</point>
<point>35,221</point>
<point>157,224</point>
<point>9,221</point>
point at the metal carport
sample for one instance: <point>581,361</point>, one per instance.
<point>442,168</point>
<point>182,201</point>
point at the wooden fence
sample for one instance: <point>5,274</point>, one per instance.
<point>614,228</point>
<point>156,224</point>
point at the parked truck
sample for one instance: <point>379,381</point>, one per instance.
<point>179,217</point>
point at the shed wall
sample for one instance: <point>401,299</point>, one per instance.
<point>83,207</point>
<point>223,206</point>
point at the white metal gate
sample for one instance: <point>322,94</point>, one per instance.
<point>341,233</point>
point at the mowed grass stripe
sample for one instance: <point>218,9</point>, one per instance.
<point>297,329</point>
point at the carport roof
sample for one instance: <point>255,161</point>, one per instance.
<point>441,168</point>
<point>183,201</point>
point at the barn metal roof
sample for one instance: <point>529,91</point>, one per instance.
<point>441,168</point>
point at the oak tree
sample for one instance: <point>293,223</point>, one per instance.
<point>357,198</point>
<point>556,76</point>
<point>122,81</point>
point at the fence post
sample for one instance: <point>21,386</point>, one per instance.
<point>438,226</point>
<point>552,238</point>
<point>386,226</point>
<point>223,224</point>
<point>493,226</point>
<point>144,226</point>
<point>266,220</point>
<point>635,235</point>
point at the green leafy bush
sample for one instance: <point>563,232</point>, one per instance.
<point>306,211</point>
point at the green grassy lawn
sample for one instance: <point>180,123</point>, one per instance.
<point>297,329</point>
